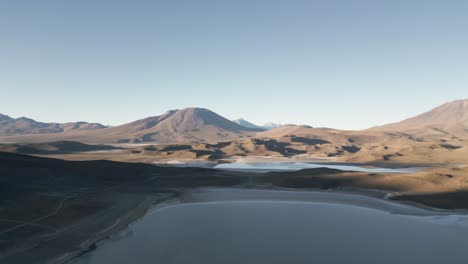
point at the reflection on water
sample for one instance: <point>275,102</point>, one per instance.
<point>291,230</point>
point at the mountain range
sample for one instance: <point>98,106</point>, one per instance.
<point>23,125</point>
<point>185,125</point>
<point>193,125</point>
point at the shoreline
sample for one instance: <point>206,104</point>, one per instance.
<point>122,223</point>
<point>209,163</point>
<point>153,202</point>
<point>84,203</point>
<point>371,199</point>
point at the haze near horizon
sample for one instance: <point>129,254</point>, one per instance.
<point>322,63</point>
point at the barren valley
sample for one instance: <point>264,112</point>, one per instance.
<point>89,181</point>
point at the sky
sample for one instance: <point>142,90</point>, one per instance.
<point>341,64</point>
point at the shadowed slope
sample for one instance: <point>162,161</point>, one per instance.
<point>58,147</point>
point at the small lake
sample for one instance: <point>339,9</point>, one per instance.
<point>264,226</point>
<point>268,166</point>
<point>295,166</point>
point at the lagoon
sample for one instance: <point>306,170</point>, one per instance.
<point>271,226</point>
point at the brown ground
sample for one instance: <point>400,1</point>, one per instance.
<point>430,181</point>
<point>51,210</point>
<point>438,136</point>
<point>387,148</point>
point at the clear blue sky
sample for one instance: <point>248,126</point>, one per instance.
<point>343,64</point>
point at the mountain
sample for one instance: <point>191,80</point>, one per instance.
<point>446,124</point>
<point>185,125</point>
<point>4,118</point>
<point>81,126</point>
<point>449,118</point>
<point>23,125</point>
<point>269,126</point>
<point>246,123</point>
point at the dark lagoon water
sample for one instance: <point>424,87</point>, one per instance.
<point>259,226</point>
<point>294,166</point>
<point>267,166</point>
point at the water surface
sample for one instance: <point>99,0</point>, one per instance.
<point>295,166</point>
<point>274,165</point>
<point>255,226</point>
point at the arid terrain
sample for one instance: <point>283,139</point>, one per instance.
<point>233,132</point>
<point>438,136</point>
<point>436,140</point>
<point>55,210</point>
<point>66,186</point>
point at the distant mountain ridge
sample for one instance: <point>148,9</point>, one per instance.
<point>23,125</point>
<point>192,125</point>
<point>269,126</point>
<point>245,123</point>
<point>185,125</point>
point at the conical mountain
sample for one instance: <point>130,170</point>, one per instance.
<point>192,125</point>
